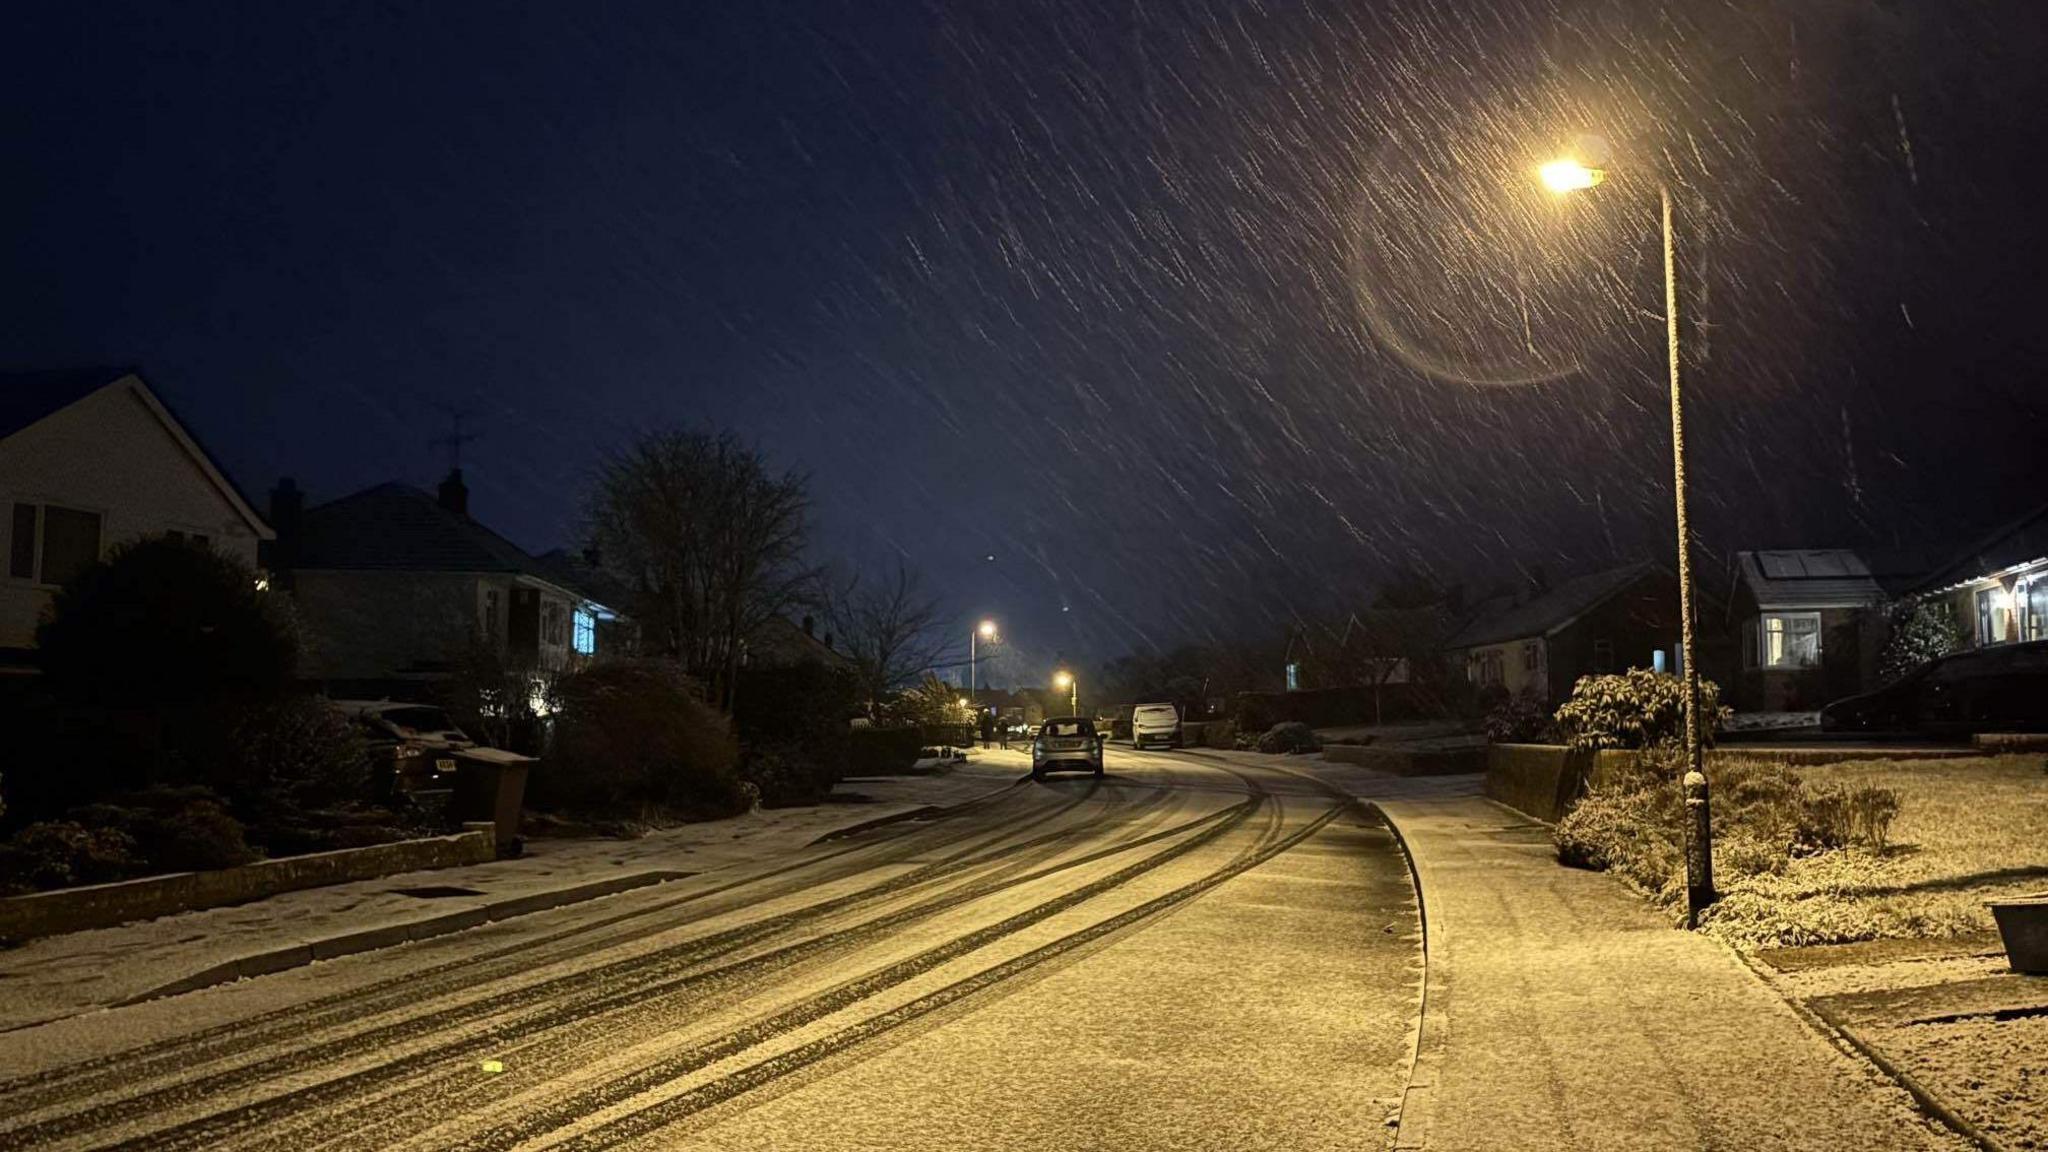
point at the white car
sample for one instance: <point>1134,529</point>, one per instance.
<point>1155,724</point>
<point>1068,742</point>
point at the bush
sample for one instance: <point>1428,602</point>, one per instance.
<point>883,751</point>
<point>161,621</point>
<point>633,736</point>
<point>787,775</point>
<point>1920,631</point>
<point>1635,709</point>
<point>1517,719</point>
<point>1290,737</point>
<point>59,853</point>
<point>1633,823</point>
<point>185,829</point>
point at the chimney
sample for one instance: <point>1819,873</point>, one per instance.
<point>454,493</point>
<point>811,626</point>
<point>287,506</point>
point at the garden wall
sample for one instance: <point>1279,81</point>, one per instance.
<point>1402,761</point>
<point>104,905</point>
<point>1540,780</point>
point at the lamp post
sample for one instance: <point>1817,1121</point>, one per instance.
<point>1563,177</point>
<point>986,630</point>
<point>1065,679</point>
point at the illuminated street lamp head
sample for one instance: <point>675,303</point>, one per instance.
<point>1062,679</point>
<point>987,629</point>
<point>1568,175</point>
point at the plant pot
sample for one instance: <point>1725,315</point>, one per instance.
<point>2023,925</point>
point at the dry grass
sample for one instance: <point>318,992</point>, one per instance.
<point>1967,831</point>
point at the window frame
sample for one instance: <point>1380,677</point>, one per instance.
<point>1786,634</point>
<point>39,549</point>
<point>583,631</point>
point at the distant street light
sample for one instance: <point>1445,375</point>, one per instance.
<point>1576,173</point>
<point>1065,679</point>
<point>986,630</point>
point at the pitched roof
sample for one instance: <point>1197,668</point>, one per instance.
<point>1503,619</point>
<point>2012,544</point>
<point>397,526</point>
<point>779,643</point>
<point>1810,578</point>
<point>579,576</point>
<point>26,397</point>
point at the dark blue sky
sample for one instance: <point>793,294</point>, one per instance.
<point>1194,314</point>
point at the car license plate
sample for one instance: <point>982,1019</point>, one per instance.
<point>444,765</point>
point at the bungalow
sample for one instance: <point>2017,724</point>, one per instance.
<point>1811,623</point>
<point>1542,643</point>
<point>91,458</point>
<point>393,585</point>
<point>1997,589</point>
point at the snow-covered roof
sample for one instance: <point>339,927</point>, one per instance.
<point>1809,578</point>
<point>1548,611</point>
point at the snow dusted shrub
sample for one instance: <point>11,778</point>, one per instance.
<point>1517,719</point>
<point>1290,737</point>
<point>1634,709</point>
<point>635,736</point>
<point>59,853</point>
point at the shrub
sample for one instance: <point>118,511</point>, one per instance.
<point>1290,737</point>
<point>161,621</point>
<point>1517,719</point>
<point>1920,632</point>
<point>882,751</point>
<point>1633,822</point>
<point>636,735</point>
<point>1635,709</point>
<point>57,853</point>
<point>185,829</point>
<point>787,775</point>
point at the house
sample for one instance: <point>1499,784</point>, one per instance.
<point>1541,643</point>
<point>1810,623</point>
<point>393,584</point>
<point>89,459</point>
<point>779,643</point>
<point>1996,590</point>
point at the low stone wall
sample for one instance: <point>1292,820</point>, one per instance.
<point>1541,780</point>
<point>104,905</point>
<point>1401,761</point>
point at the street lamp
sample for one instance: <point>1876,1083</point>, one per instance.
<point>986,630</point>
<point>1564,176</point>
<point>1065,679</point>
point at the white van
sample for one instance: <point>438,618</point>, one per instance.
<point>1155,724</point>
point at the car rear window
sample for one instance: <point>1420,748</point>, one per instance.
<point>1068,728</point>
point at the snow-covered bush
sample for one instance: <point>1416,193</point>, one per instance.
<point>1634,709</point>
<point>1920,631</point>
<point>636,736</point>
<point>1290,737</point>
<point>1517,719</point>
<point>57,853</point>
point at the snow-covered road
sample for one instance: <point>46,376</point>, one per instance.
<point>1187,953</point>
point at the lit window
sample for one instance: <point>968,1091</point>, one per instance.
<point>1790,640</point>
<point>586,631</point>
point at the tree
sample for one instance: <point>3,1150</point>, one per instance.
<point>710,541</point>
<point>890,629</point>
<point>1921,631</point>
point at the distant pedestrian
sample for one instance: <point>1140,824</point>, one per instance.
<point>1003,732</point>
<point>988,731</point>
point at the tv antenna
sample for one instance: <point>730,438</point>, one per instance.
<point>455,438</point>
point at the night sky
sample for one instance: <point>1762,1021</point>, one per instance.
<point>1194,315</point>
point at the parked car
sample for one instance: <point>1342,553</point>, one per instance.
<point>416,743</point>
<point>1155,724</point>
<point>1066,742</point>
<point>2001,689</point>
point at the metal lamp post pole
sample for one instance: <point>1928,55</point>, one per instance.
<point>972,634</point>
<point>1699,857</point>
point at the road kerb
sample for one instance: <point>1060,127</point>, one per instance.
<point>383,936</point>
